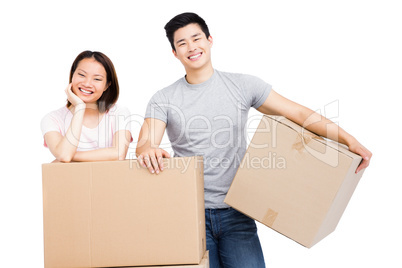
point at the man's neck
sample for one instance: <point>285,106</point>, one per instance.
<point>200,75</point>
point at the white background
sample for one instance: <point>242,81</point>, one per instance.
<point>313,52</point>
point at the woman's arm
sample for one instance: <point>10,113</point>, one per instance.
<point>276,104</point>
<point>64,147</point>
<point>121,142</point>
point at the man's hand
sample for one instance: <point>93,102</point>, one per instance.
<point>359,149</point>
<point>152,159</point>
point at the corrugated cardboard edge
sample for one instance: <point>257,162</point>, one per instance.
<point>43,215</point>
<point>90,211</point>
<point>198,167</point>
<point>341,201</point>
<point>273,214</point>
<point>204,263</point>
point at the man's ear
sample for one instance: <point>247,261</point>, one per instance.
<point>211,41</point>
<point>174,53</point>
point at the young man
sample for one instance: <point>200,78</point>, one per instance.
<point>205,113</point>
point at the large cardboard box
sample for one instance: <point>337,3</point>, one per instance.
<point>294,181</point>
<point>106,214</point>
<point>203,264</point>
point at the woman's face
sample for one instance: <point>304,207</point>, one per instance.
<point>89,80</point>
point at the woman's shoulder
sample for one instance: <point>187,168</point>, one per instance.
<point>55,120</point>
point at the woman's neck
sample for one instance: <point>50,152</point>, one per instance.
<point>90,109</point>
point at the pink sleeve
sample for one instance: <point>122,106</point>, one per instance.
<point>50,123</point>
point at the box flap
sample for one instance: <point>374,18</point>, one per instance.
<point>310,135</point>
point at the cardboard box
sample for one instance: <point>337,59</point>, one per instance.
<point>294,181</point>
<point>115,213</point>
<point>203,264</point>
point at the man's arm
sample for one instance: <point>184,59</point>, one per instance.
<point>276,104</point>
<point>148,152</point>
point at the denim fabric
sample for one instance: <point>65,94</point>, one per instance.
<point>232,240</point>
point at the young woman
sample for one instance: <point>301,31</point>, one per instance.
<point>91,126</point>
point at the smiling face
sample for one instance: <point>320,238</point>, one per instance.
<point>89,80</point>
<point>192,47</point>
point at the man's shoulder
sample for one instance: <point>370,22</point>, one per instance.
<point>165,94</point>
<point>234,76</point>
<point>172,87</point>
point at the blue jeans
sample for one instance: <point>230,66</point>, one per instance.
<point>232,240</point>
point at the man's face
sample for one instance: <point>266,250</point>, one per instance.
<point>193,48</point>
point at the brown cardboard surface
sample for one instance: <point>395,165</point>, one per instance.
<point>203,264</point>
<point>115,213</point>
<point>293,181</point>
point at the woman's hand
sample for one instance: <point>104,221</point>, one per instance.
<point>72,98</point>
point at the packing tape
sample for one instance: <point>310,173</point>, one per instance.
<point>302,139</point>
<point>269,217</point>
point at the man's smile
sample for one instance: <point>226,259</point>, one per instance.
<point>195,56</point>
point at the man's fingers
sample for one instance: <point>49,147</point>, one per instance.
<point>141,160</point>
<point>155,164</point>
<point>366,155</point>
<point>365,163</point>
<point>148,164</point>
<point>159,159</point>
<point>153,160</point>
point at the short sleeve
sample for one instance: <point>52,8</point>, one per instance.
<point>158,107</point>
<point>53,121</point>
<point>255,89</point>
<point>49,123</point>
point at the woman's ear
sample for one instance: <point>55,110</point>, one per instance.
<point>108,85</point>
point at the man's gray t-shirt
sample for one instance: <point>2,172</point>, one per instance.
<point>209,119</point>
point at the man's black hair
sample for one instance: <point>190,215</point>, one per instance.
<point>181,21</point>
